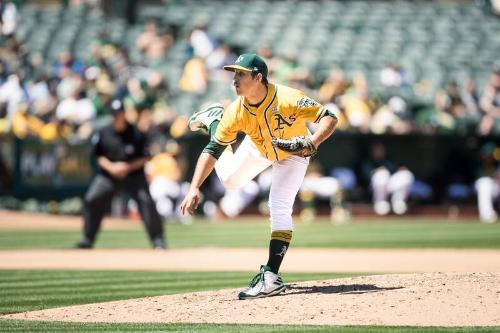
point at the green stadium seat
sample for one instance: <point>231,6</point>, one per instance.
<point>435,39</point>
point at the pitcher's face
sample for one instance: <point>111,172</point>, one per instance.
<point>244,83</point>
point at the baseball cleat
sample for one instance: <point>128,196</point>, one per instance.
<point>159,244</point>
<point>84,243</point>
<point>381,207</point>
<point>399,207</point>
<point>264,284</point>
<point>202,119</point>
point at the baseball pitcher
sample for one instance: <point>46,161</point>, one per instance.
<point>273,117</point>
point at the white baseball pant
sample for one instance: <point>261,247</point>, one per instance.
<point>398,184</point>
<point>235,170</point>
<point>487,191</point>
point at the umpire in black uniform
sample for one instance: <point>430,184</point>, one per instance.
<point>121,151</point>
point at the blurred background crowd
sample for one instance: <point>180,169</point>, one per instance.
<point>401,68</point>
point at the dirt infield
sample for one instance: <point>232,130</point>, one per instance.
<point>431,299</point>
<point>249,259</point>
<point>453,297</point>
<point>24,220</point>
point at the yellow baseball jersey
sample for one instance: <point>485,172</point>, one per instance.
<point>283,114</point>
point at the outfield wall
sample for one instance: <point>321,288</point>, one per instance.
<point>29,168</point>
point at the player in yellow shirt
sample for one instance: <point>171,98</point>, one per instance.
<point>268,114</point>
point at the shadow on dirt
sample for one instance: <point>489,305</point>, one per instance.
<point>342,289</point>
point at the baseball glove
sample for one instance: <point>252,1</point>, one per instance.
<point>299,145</point>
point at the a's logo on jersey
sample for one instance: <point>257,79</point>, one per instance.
<point>306,102</point>
<point>282,121</point>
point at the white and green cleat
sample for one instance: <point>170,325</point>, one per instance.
<point>264,284</point>
<point>202,119</point>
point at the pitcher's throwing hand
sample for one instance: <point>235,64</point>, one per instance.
<point>190,202</point>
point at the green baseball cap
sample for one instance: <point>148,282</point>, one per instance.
<point>249,62</point>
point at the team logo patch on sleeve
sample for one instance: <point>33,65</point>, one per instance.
<point>306,102</point>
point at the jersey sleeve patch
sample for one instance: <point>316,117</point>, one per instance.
<point>309,109</point>
<point>306,102</point>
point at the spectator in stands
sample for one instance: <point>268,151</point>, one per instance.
<point>55,130</point>
<point>487,184</point>
<point>436,118</point>
<point>266,53</point>
<point>40,96</point>
<point>455,104</point>
<point>68,64</point>
<point>138,104</point>
<point>25,124</point>
<point>69,83</point>
<point>194,76</point>
<point>394,76</point>
<point>470,99</point>
<point>201,41</point>
<point>162,113</point>
<point>220,57</point>
<point>100,88</point>
<point>392,117</point>
<point>333,87</point>
<point>4,71</point>
<point>12,94</point>
<point>76,109</point>
<point>4,121</point>
<point>148,36</point>
<point>13,53</point>
<point>34,67</point>
<point>462,106</point>
<point>288,71</point>
<point>157,86</point>
<point>356,104</point>
<point>490,104</point>
<point>154,43</point>
<point>386,181</point>
<point>8,18</point>
<point>119,68</point>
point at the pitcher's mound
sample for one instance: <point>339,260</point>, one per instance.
<point>432,299</point>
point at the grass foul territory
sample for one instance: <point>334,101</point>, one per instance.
<point>360,234</point>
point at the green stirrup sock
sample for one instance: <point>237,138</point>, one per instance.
<point>213,128</point>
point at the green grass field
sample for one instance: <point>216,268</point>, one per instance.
<point>18,326</point>
<point>361,234</point>
<point>23,290</point>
